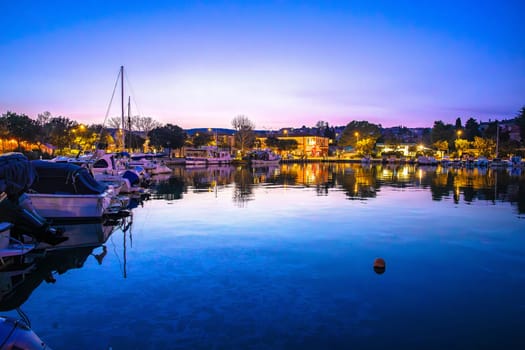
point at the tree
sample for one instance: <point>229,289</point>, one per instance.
<point>321,127</point>
<point>491,130</point>
<point>287,145</point>
<point>471,129</point>
<point>458,124</point>
<point>442,132</point>
<point>144,124</point>
<point>356,130</point>
<point>461,146</point>
<point>484,146</point>
<point>100,137</point>
<point>201,139</point>
<point>244,132</point>
<point>115,122</point>
<point>43,118</point>
<point>281,144</point>
<point>392,140</point>
<point>520,121</point>
<point>168,136</point>
<point>60,133</point>
<point>441,145</point>
<point>4,131</point>
<point>20,127</point>
<point>272,142</point>
<point>134,141</point>
<point>329,133</point>
<point>365,146</point>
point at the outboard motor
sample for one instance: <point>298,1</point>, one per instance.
<point>27,221</point>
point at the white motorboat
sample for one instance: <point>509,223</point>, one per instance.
<point>203,156</point>
<point>264,157</point>
<point>68,191</point>
<point>83,234</point>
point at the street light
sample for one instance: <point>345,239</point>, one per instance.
<point>459,132</point>
<point>356,134</point>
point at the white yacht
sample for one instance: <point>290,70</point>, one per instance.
<point>203,156</point>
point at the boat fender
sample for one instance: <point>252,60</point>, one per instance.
<point>379,266</point>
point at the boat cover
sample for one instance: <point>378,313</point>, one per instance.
<point>16,173</point>
<point>64,178</point>
<point>132,176</point>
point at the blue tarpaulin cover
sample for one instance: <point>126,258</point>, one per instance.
<point>16,173</point>
<point>64,178</point>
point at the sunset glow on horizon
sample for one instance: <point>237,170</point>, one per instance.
<point>280,63</point>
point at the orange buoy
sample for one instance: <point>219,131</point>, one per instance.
<point>379,265</point>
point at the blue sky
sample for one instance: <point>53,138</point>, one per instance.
<point>280,63</point>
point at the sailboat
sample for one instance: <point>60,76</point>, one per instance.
<point>70,191</point>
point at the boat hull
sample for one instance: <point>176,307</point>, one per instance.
<point>265,162</point>
<point>83,234</point>
<point>71,206</point>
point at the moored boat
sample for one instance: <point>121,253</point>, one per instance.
<point>426,160</point>
<point>10,247</point>
<point>68,191</point>
<point>263,157</point>
<point>203,156</point>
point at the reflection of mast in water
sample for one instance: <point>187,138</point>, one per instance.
<point>495,186</point>
<point>125,255</point>
<point>215,178</point>
<point>125,227</point>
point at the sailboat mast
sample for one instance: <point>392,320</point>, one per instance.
<point>497,139</point>
<point>129,123</point>
<point>122,106</point>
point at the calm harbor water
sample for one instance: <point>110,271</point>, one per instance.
<point>281,258</point>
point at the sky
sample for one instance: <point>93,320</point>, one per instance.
<point>279,63</point>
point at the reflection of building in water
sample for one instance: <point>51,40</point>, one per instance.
<point>265,173</point>
<point>364,181</point>
<point>399,175</point>
<point>308,174</point>
<point>208,178</point>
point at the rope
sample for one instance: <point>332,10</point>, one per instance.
<point>23,316</point>
<point>132,93</point>
<point>108,109</point>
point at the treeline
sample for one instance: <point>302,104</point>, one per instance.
<point>60,135</point>
<point>19,132</point>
